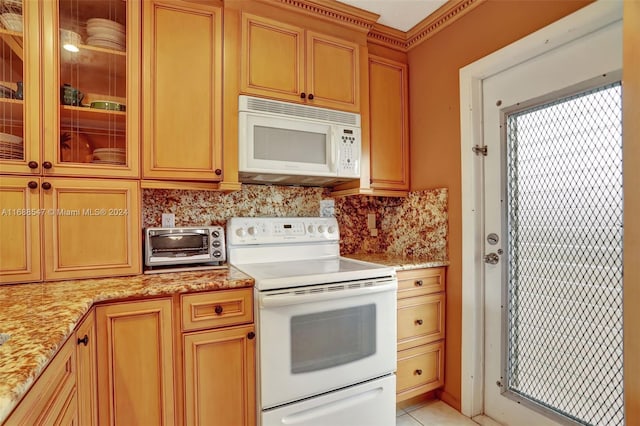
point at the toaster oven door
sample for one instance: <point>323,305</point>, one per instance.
<point>176,248</point>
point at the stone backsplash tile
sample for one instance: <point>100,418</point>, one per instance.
<point>415,226</point>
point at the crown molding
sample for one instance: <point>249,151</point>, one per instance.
<point>333,11</point>
<point>432,24</point>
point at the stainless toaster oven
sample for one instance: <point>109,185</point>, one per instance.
<point>184,245</point>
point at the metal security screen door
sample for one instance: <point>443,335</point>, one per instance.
<point>564,256</point>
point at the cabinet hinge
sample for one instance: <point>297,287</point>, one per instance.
<point>480,150</point>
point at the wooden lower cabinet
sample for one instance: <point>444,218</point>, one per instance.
<point>421,331</point>
<point>52,399</point>
<point>219,376</point>
<point>119,367</point>
<point>136,363</point>
<point>87,377</point>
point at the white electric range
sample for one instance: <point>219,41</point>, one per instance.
<point>325,325</point>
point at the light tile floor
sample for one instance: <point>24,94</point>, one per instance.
<point>431,413</point>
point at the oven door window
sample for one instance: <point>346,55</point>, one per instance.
<point>332,338</point>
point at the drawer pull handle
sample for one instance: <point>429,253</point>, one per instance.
<point>218,309</point>
<point>84,340</point>
<point>419,322</point>
<point>419,283</point>
<point>419,372</point>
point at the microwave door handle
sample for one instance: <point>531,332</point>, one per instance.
<point>277,300</point>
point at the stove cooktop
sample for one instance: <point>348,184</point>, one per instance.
<point>287,274</point>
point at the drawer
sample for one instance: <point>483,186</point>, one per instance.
<point>418,282</point>
<point>420,320</point>
<point>420,370</point>
<point>216,309</point>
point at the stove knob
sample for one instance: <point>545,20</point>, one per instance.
<point>310,229</point>
<point>240,232</point>
<point>252,231</point>
<point>332,229</point>
<point>322,228</point>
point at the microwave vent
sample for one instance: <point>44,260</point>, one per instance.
<point>302,111</point>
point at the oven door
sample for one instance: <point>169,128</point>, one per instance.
<point>317,339</point>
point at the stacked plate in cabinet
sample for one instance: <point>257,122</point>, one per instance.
<point>109,156</point>
<point>106,33</point>
<point>11,147</point>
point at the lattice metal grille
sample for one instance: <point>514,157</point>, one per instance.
<point>564,285</point>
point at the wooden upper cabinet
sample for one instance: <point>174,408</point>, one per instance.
<point>288,63</point>
<point>272,58</point>
<point>389,128</point>
<point>90,93</point>
<point>20,117</point>
<point>333,76</point>
<point>92,228</point>
<point>136,363</point>
<point>20,216</point>
<point>182,75</point>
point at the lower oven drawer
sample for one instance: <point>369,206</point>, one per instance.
<point>216,309</point>
<point>420,370</point>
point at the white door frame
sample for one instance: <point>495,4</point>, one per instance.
<point>588,19</point>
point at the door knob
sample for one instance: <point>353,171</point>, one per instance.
<point>491,258</point>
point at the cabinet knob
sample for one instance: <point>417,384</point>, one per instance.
<point>32,164</point>
<point>419,283</point>
<point>47,164</point>
<point>418,372</point>
<point>218,172</point>
<point>419,322</point>
<point>32,184</point>
<point>251,335</point>
<point>46,185</point>
<point>303,95</point>
<point>84,340</point>
<point>218,309</point>
<point>310,96</point>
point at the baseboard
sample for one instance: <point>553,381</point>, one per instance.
<point>449,399</point>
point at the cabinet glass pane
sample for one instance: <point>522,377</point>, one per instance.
<point>93,86</point>
<point>11,81</point>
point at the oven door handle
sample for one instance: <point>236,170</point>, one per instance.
<point>272,300</point>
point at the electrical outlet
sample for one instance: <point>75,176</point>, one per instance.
<point>327,208</point>
<point>371,221</point>
<point>168,220</point>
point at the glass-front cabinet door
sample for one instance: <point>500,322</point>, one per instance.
<point>91,87</point>
<point>19,86</point>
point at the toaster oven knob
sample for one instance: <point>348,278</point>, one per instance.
<point>217,253</point>
<point>216,243</point>
<point>240,232</point>
<point>215,234</point>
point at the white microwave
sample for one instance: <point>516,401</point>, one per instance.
<point>289,144</point>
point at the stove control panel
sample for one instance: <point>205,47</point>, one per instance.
<point>268,230</point>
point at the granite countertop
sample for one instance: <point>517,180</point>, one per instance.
<point>399,262</point>
<point>39,317</point>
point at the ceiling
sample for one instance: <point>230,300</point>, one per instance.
<point>399,14</point>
